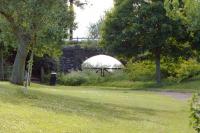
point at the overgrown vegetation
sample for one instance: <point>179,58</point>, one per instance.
<point>181,70</point>
<point>87,77</point>
<point>143,71</point>
<point>172,70</point>
<point>195,112</point>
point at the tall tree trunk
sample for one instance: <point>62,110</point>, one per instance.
<point>1,65</point>
<point>22,52</point>
<point>158,72</point>
<point>19,64</point>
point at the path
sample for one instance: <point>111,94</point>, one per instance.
<point>178,95</point>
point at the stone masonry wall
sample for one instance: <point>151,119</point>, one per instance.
<point>74,56</point>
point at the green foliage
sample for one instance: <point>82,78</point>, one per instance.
<point>191,10</point>
<point>90,78</point>
<point>176,9</point>
<point>90,44</point>
<point>187,69</point>
<point>186,11</point>
<point>192,13</point>
<point>136,27</point>
<point>36,24</point>
<point>7,39</point>
<point>46,78</point>
<point>72,79</point>
<point>144,26</point>
<point>7,72</point>
<point>176,70</point>
<point>181,69</point>
<point>119,28</point>
<point>48,20</point>
<point>141,70</point>
<point>195,113</point>
<point>94,29</point>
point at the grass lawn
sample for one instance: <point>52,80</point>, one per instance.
<point>90,110</point>
<point>187,86</point>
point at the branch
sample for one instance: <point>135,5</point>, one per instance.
<point>7,16</point>
<point>11,20</point>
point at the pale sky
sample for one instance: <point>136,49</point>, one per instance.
<point>90,14</point>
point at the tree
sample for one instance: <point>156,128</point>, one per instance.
<point>78,3</point>
<point>44,18</point>
<point>188,12</point>
<point>134,27</point>
<point>94,29</point>
<point>7,41</point>
<point>191,10</point>
<point>119,28</point>
<point>71,3</point>
<point>155,28</point>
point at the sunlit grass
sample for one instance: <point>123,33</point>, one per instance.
<point>90,110</point>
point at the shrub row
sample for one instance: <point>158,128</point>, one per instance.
<point>174,70</point>
<point>177,71</point>
<point>89,78</point>
<point>195,112</point>
<point>140,71</point>
<point>181,69</point>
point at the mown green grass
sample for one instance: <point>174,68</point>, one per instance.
<point>90,110</point>
<point>187,86</point>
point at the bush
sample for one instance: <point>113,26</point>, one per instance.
<point>72,79</point>
<point>141,71</point>
<point>7,72</point>
<point>95,78</point>
<point>187,69</point>
<point>119,75</point>
<point>89,77</point>
<point>182,69</point>
<point>173,70</point>
<point>195,113</point>
<point>46,78</point>
<point>92,76</point>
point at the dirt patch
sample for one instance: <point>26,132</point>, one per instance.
<point>178,95</point>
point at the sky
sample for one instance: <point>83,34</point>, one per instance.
<point>90,14</point>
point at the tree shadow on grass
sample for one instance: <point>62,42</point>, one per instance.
<point>80,106</point>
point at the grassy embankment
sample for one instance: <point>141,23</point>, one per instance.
<point>90,110</point>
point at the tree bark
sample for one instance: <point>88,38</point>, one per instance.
<point>19,64</point>
<point>22,52</point>
<point>158,71</point>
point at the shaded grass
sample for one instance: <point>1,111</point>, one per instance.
<point>90,110</point>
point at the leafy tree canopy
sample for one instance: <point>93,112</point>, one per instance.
<point>35,22</point>
<point>47,18</point>
<point>135,27</point>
